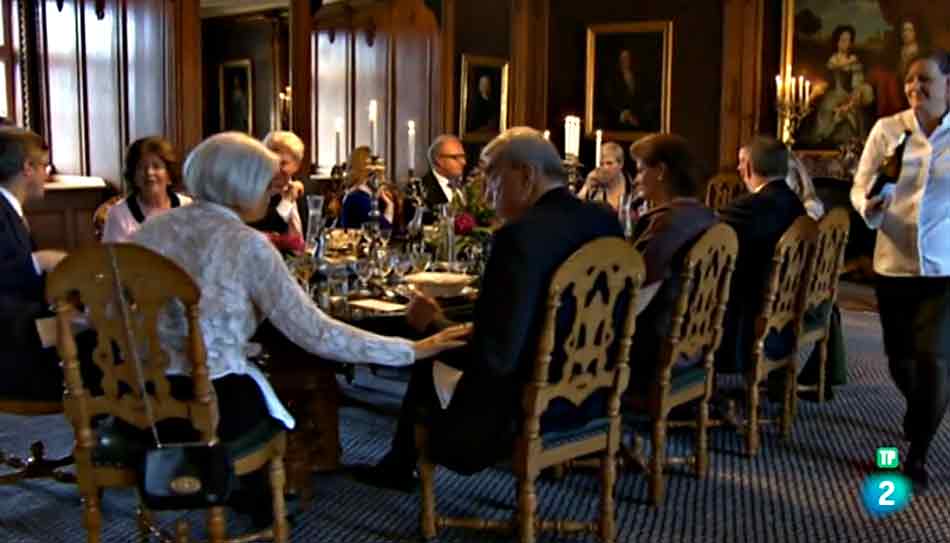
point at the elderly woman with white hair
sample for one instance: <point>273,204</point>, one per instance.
<point>282,221</point>
<point>243,281</point>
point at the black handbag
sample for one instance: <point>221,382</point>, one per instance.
<point>186,476</point>
<point>175,475</point>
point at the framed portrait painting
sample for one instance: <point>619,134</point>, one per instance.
<point>483,97</point>
<point>855,55</point>
<point>236,96</point>
<point>628,79</point>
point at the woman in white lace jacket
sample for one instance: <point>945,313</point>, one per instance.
<point>243,279</point>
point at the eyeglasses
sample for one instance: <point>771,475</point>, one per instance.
<point>459,156</point>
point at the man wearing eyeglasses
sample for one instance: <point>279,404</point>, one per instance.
<point>29,370</point>
<point>447,162</point>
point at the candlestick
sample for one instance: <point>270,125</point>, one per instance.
<point>597,143</point>
<point>547,135</point>
<point>572,135</point>
<point>807,91</point>
<point>372,126</point>
<point>412,145</point>
<point>792,100</point>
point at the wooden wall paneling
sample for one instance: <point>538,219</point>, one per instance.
<point>414,33</point>
<point>146,66</point>
<point>529,63</point>
<point>187,47</point>
<point>102,87</point>
<point>740,109</point>
<point>372,82</point>
<point>66,134</point>
<point>302,74</point>
<point>332,82</point>
<point>446,69</point>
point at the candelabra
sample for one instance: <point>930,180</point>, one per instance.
<point>793,102</point>
<point>573,166</point>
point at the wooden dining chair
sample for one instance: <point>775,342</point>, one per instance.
<point>821,294</point>
<point>723,188</point>
<point>125,289</point>
<point>599,276</point>
<point>695,333</point>
<point>782,312</point>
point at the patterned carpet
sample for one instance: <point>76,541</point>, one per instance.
<point>803,490</point>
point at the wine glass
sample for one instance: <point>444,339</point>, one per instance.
<point>384,233</point>
<point>401,265</point>
<point>364,269</point>
<point>384,263</point>
<point>421,260</point>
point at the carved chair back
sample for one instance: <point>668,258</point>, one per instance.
<point>600,275</point>
<point>829,258</point>
<point>722,189</point>
<point>785,290</point>
<point>696,328</point>
<point>126,289</point>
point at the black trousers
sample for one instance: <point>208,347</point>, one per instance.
<point>915,317</point>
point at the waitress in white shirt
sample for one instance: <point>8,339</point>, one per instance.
<point>912,253</point>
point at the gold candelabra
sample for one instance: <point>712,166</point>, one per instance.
<point>793,102</point>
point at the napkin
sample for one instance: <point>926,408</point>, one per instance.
<point>377,305</point>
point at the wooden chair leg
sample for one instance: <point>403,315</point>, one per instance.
<point>658,461</point>
<point>92,516</point>
<point>278,480</point>
<point>217,525</point>
<point>427,481</point>
<point>702,439</point>
<point>791,397</point>
<point>822,347</point>
<point>144,520</point>
<point>182,531</point>
<point>608,472</point>
<point>752,418</point>
<point>527,507</point>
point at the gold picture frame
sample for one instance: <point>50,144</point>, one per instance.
<point>480,117</point>
<point>632,98</point>
<point>872,84</point>
<point>236,96</point>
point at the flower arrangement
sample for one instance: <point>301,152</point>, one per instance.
<point>474,215</point>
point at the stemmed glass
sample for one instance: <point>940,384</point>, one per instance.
<point>420,259</point>
<point>384,233</point>
<point>384,263</point>
<point>364,268</point>
<point>401,265</point>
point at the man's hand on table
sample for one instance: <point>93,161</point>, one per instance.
<point>450,338</point>
<point>422,311</point>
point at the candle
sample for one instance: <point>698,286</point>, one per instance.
<point>372,126</point>
<point>801,89</point>
<point>547,135</point>
<point>807,91</point>
<point>597,143</point>
<point>572,135</point>
<point>339,134</point>
<point>412,145</point>
<point>778,89</point>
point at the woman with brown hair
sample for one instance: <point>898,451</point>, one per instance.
<point>151,170</point>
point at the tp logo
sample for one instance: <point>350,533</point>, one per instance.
<point>887,492</point>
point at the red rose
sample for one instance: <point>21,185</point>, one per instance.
<point>287,242</point>
<point>464,223</point>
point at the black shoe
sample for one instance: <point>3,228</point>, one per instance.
<point>917,473</point>
<point>386,475</point>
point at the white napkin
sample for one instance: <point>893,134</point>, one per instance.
<point>445,378</point>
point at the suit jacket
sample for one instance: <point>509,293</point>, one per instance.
<point>759,219</point>
<point>508,315</point>
<point>22,301</point>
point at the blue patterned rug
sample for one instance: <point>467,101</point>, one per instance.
<point>805,490</point>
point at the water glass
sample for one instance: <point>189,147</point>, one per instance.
<point>421,260</point>
<point>314,221</point>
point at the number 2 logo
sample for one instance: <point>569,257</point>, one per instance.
<point>885,498</point>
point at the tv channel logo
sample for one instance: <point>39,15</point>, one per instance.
<point>886,492</point>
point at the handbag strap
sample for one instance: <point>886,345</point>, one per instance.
<point>132,343</point>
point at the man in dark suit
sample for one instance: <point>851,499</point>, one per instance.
<point>29,371</point>
<point>544,224</point>
<point>447,164</point>
<point>759,219</point>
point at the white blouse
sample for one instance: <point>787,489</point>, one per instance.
<point>913,232</point>
<point>243,281</point>
<point>121,225</point>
